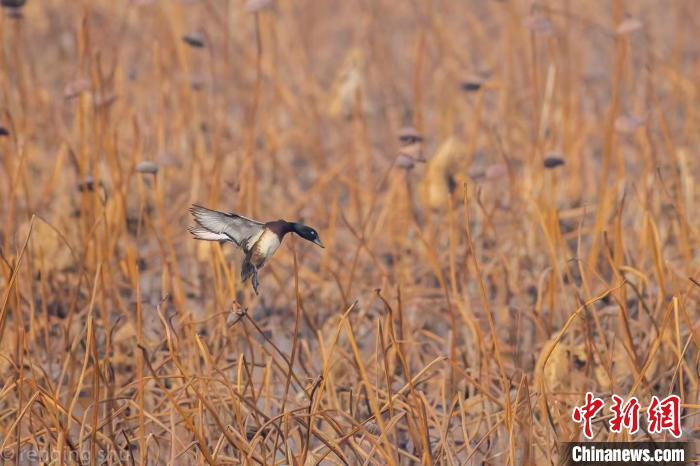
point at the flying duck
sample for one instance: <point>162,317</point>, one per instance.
<point>258,240</point>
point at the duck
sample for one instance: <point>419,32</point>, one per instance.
<point>258,240</point>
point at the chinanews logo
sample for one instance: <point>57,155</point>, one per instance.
<point>661,415</point>
<point>662,420</point>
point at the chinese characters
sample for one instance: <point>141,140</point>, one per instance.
<point>661,415</point>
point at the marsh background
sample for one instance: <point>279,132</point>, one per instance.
<point>539,241</point>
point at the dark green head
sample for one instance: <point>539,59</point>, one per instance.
<point>307,233</point>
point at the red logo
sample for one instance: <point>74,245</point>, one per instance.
<point>665,415</point>
<point>662,415</point>
<point>624,415</point>
<point>584,414</point>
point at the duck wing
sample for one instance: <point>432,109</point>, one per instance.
<point>213,225</point>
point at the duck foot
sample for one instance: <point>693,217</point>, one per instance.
<point>254,281</point>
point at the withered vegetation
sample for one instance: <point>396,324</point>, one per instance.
<point>534,237</point>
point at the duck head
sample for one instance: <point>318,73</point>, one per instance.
<point>307,233</point>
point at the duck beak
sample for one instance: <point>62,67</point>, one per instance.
<point>318,241</point>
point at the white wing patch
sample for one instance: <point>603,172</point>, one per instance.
<point>206,235</point>
<point>224,227</point>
